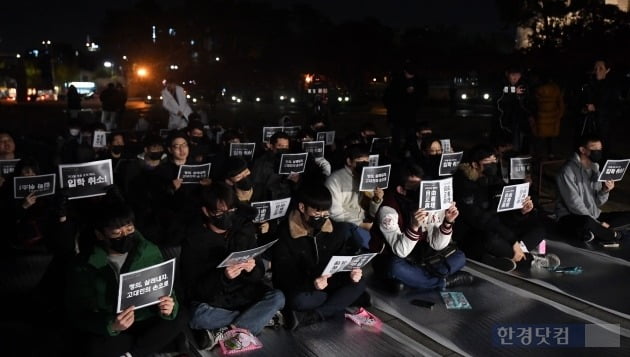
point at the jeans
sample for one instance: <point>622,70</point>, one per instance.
<point>359,237</point>
<point>414,276</point>
<point>339,294</point>
<point>253,318</point>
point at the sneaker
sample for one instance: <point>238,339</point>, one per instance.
<point>207,339</point>
<point>588,236</point>
<point>504,264</point>
<point>458,279</point>
<point>302,318</point>
<point>548,261</point>
<point>276,321</point>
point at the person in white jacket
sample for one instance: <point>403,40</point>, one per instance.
<point>415,243</point>
<point>174,101</point>
<point>348,203</point>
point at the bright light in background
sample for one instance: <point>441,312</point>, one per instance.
<point>142,72</point>
<point>187,96</point>
<point>238,100</point>
<point>124,57</point>
<point>194,100</point>
<point>258,99</point>
<point>18,56</point>
<point>486,96</point>
<point>464,96</point>
<point>374,79</point>
<point>339,99</point>
<point>346,99</point>
<point>217,58</point>
<point>308,78</point>
<point>174,67</point>
<point>292,100</point>
<point>233,97</point>
<point>282,97</point>
<point>107,64</point>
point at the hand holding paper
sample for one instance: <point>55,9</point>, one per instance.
<point>418,218</point>
<point>356,275</point>
<point>451,213</point>
<point>528,205</point>
<point>609,185</point>
<point>322,282</point>
<point>166,305</point>
<point>124,320</point>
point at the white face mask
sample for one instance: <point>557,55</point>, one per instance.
<point>74,132</point>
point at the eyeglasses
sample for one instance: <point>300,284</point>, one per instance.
<point>122,231</point>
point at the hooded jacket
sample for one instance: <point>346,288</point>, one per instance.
<point>580,192</point>
<point>346,198</point>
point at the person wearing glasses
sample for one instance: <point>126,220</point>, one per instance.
<point>115,247</point>
<point>307,241</point>
<point>235,295</point>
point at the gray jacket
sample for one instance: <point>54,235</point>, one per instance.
<point>580,192</point>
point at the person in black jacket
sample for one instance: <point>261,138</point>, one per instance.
<point>307,241</point>
<point>233,295</point>
<point>480,231</point>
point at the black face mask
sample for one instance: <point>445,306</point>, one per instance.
<point>153,156</point>
<point>316,222</point>
<point>195,140</point>
<point>224,221</point>
<point>595,155</point>
<point>490,170</point>
<point>117,149</point>
<point>123,244</point>
<point>244,184</point>
<point>358,169</point>
<point>282,151</point>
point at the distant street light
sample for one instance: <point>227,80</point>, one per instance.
<point>107,64</point>
<point>124,58</point>
<point>142,72</point>
<point>217,58</point>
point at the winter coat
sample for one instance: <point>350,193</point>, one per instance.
<point>92,288</point>
<point>173,106</point>
<point>580,192</point>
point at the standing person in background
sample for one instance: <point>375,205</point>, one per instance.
<point>109,101</point>
<point>122,100</point>
<point>174,101</point>
<point>549,112</point>
<point>402,100</point>
<point>74,102</point>
<point>603,102</point>
<point>514,117</point>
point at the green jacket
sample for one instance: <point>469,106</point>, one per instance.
<point>92,288</point>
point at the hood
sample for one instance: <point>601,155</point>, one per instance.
<point>298,230</point>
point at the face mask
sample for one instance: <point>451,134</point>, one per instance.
<point>153,156</point>
<point>316,222</point>
<point>489,170</point>
<point>282,151</point>
<point>123,244</point>
<point>74,132</point>
<point>595,155</point>
<point>244,184</point>
<point>358,167</point>
<point>195,140</point>
<point>117,149</point>
<point>223,222</point>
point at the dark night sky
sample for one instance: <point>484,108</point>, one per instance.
<point>25,24</point>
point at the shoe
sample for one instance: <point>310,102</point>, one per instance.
<point>504,264</point>
<point>276,321</point>
<point>548,261</point>
<point>365,300</point>
<point>302,318</point>
<point>207,339</point>
<point>458,279</point>
<point>588,236</point>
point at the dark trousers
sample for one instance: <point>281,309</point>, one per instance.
<point>339,294</point>
<point>141,339</point>
<point>578,226</point>
<point>530,231</point>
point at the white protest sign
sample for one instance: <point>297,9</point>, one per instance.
<point>192,174</point>
<point>339,263</point>
<point>245,255</point>
<point>375,176</point>
<point>326,136</point>
<point>512,197</point>
<point>446,146</point>
<point>244,150</point>
<point>268,132</point>
<point>436,195</point>
<point>292,163</point>
<point>373,160</point>
<point>7,167</point>
<point>87,179</point>
<point>146,286</point>
<point>316,148</point>
<point>449,163</point>
<point>520,167</point>
<point>100,139</point>
<point>268,210</point>
<point>613,170</point>
<point>41,185</point>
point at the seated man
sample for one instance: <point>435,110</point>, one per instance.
<point>411,239</point>
<point>92,289</point>
<point>581,195</point>
<point>481,232</point>
<point>348,203</point>
<point>307,241</point>
<point>232,296</point>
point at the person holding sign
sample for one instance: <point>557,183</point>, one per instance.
<point>415,243</point>
<point>7,152</point>
<point>235,295</point>
<point>307,241</point>
<point>268,183</point>
<point>348,203</point>
<point>582,195</point>
<point>482,233</point>
<point>114,248</point>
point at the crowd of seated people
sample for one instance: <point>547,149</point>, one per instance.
<point>149,213</point>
